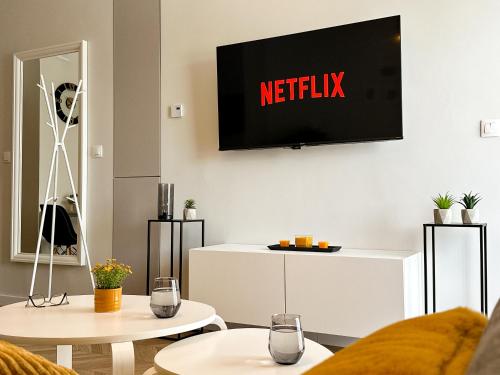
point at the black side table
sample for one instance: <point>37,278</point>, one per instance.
<point>172,222</point>
<point>482,262</point>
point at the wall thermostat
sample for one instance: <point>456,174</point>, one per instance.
<point>177,110</point>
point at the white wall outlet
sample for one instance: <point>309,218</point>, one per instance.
<point>177,110</point>
<point>6,157</point>
<point>97,151</point>
<point>490,128</point>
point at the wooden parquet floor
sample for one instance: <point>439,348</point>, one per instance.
<point>96,359</point>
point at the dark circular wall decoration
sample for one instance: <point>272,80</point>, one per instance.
<point>65,93</point>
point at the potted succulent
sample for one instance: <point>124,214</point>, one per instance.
<point>443,214</point>
<point>190,209</point>
<point>470,214</point>
<point>109,278</point>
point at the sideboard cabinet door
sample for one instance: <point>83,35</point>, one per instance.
<point>347,296</point>
<point>244,287</point>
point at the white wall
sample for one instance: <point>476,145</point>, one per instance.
<point>370,195</point>
<point>28,24</point>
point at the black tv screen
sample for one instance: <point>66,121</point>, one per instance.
<point>334,85</point>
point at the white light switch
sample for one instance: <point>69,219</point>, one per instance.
<point>490,128</point>
<point>6,157</point>
<point>177,110</point>
<point>97,151</point>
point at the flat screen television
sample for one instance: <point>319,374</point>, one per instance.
<point>334,85</point>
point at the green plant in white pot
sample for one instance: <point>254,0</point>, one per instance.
<point>443,213</point>
<point>190,209</point>
<point>470,214</point>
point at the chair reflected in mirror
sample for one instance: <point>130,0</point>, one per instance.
<point>65,237</point>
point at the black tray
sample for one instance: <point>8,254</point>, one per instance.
<point>314,249</point>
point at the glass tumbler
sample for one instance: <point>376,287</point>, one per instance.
<point>166,297</point>
<point>286,339</point>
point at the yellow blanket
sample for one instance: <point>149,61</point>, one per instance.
<point>437,344</point>
<point>17,361</point>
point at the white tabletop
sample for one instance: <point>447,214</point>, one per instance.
<point>77,323</point>
<point>236,351</point>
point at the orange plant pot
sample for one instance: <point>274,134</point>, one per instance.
<point>107,300</point>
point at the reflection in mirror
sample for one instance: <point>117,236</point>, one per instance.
<point>37,146</point>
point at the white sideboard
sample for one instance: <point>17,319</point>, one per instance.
<point>348,293</point>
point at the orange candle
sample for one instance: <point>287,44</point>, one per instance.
<point>284,243</point>
<point>300,241</point>
<point>303,241</point>
<point>323,244</point>
<point>309,241</point>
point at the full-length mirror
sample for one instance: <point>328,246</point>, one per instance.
<point>62,66</point>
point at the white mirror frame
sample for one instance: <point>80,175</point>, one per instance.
<point>15,253</point>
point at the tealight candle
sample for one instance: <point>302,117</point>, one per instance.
<point>284,243</point>
<point>323,244</point>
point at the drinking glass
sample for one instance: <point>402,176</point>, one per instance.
<point>286,339</point>
<point>166,297</point>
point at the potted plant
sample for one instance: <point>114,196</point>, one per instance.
<point>190,209</point>
<point>109,278</point>
<point>470,214</point>
<point>443,214</point>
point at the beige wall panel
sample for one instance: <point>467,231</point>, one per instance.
<point>134,203</point>
<point>137,88</point>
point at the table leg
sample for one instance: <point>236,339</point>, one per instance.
<point>219,322</point>
<point>65,355</point>
<point>425,270</point>
<point>148,260</point>
<point>171,249</point>
<point>123,358</point>
<point>481,265</point>
<point>433,271</point>
<point>485,272</point>
<point>203,233</point>
<point>180,256</point>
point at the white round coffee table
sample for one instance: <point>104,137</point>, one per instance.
<point>236,351</point>
<point>77,323</point>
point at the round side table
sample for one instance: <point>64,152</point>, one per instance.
<point>236,351</point>
<point>77,323</point>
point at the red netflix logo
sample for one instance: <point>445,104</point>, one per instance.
<point>274,91</point>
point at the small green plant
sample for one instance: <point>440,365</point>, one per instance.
<point>190,203</point>
<point>110,275</point>
<point>444,202</point>
<point>470,200</point>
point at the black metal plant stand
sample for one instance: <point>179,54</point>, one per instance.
<point>172,222</point>
<point>482,262</point>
